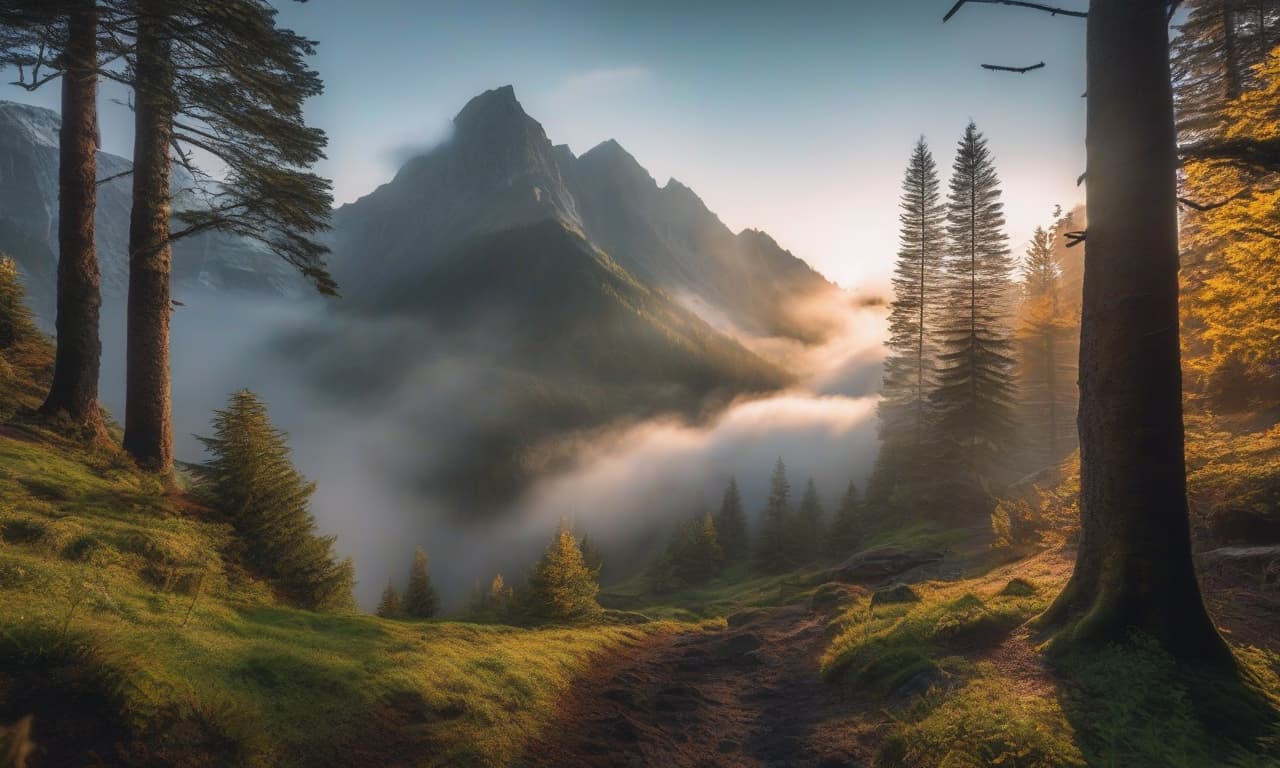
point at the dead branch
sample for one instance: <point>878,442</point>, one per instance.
<point>1075,238</point>
<point>1019,70</point>
<point>1052,11</point>
<point>115,176</point>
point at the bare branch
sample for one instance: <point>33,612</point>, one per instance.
<point>1075,238</point>
<point>1052,11</point>
<point>115,176</point>
<point>1202,207</point>
<point>1019,70</point>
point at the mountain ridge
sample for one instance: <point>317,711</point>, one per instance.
<point>500,170</point>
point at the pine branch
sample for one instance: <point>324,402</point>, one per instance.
<point>1019,70</point>
<point>1052,11</point>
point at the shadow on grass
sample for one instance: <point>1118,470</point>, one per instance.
<point>76,698</point>
<point>1133,705</point>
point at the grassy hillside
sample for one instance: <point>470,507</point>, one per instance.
<point>963,670</point>
<point>114,599</point>
<point>131,639</point>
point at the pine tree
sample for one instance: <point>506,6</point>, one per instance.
<point>591,555</point>
<point>975,394</point>
<point>1229,248</point>
<point>702,557</point>
<point>389,606</point>
<point>1049,347</point>
<point>909,369</point>
<point>771,552</point>
<point>221,78</point>
<point>63,36</point>
<point>420,600</point>
<point>1134,524</point>
<point>561,587</point>
<point>251,479</point>
<point>731,523</point>
<point>1214,53</point>
<point>806,527</point>
<point>15,318</point>
<point>847,526</point>
<point>693,554</point>
<point>500,596</point>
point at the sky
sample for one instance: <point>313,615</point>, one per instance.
<point>796,118</point>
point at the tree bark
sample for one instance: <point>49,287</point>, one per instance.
<point>148,434</point>
<point>74,391</point>
<point>1134,566</point>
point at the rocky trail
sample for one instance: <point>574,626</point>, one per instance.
<point>747,695</point>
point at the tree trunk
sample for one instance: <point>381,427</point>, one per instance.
<point>74,391</point>
<point>1134,567</point>
<point>148,432</point>
<point>1230,49</point>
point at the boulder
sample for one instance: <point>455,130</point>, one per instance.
<point>880,564</point>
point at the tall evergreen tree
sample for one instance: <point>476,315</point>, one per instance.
<point>909,369</point>
<point>1134,567</point>
<point>420,601</point>
<point>975,393</point>
<point>221,78</point>
<point>251,479</point>
<point>731,523</point>
<point>1047,336</point>
<point>389,606</point>
<point>60,38</point>
<point>847,525</point>
<point>771,544</point>
<point>561,587</point>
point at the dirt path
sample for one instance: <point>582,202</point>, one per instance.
<point>749,695</point>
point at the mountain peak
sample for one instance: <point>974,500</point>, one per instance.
<point>610,148</point>
<point>619,162</point>
<point>498,105</point>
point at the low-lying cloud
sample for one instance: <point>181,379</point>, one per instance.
<point>624,486</point>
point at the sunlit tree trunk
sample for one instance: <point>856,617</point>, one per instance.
<point>148,432</point>
<point>74,391</point>
<point>1134,566</point>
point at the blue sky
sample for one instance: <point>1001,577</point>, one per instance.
<point>796,118</point>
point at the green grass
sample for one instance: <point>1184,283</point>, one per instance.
<point>942,666</point>
<point>738,588</point>
<point>99,568</point>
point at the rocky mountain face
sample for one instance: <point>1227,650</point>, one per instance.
<point>499,170</point>
<point>29,221</point>
<point>561,289</point>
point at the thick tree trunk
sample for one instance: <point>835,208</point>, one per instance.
<point>148,431</point>
<point>74,391</point>
<point>1134,567</point>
